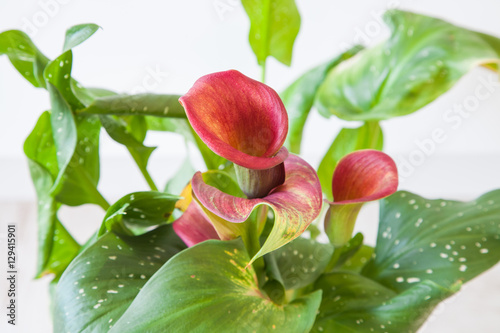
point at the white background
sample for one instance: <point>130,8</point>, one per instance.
<point>183,40</point>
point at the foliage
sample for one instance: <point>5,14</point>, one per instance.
<point>136,274</point>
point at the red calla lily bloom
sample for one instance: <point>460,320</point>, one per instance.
<point>238,118</point>
<point>296,203</point>
<point>361,176</point>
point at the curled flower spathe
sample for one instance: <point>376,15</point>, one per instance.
<point>296,203</point>
<point>361,176</point>
<point>238,118</point>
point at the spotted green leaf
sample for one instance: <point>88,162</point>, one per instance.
<point>79,182</point>
<point>302,261</point>
<point>136,212</point>
<point>359,259</point>
<point>274,24</point>
<point>141,104</point>
<point>355,304</point>
<point>441,240</point>
<point>299,98</point>
<point>77,34</point>
<point>423,58</point>
<point>63,128</point>
<point>24,56</point>
<point>104,279</point>
<point>346,252</point>
<point>368,136</point>
<point>56,247</point>
<point>213,300</point>
<point>76,139</point>
<point>58,74</point>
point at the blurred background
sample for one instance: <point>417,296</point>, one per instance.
<point>164,47</point>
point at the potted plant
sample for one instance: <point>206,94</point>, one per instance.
<point>260,241</point>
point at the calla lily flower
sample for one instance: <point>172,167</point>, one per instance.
<point>243,121</point>
<point>193,226</point>
<point>296,203</point>
<point>361,176</point>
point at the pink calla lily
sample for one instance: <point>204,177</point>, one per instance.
<point>361,176</point>
<point>296,203</point>
<point>238,118</point>
<point>193,226</point>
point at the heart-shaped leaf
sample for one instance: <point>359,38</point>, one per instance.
<point>302,261</point>
<point>355,304</point>
<point>77,34</point>
<point>423,58</point>
<point>440,240</point>
<point>299,98</point>
<point>104,279</point>
<point>224,299</point>
<point>368,136</point>
<point>136,212</point>
<point>274,24</point>
<point>24,56</point>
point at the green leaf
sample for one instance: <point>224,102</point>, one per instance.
<point>182,127</point>
<point>134,213</point>
<point>181,177</point>
<point>299,98</point>
<point>64,249</point>
<point>58,73</point>
<point>63,128</point>
<point>121,132</point>
<point>274,24</point>
<point>423,58</point>
<point>188,295</point>
<point>24,56</point>
<point>104,279</point>
<point>355,304</point>
<point>368,136</point>
<point>79,182</point>
<point>77,34</point>
<point>440,240</point>
<point>141,104</point>
<point>56,247</point>
<point>302,261</point>
<point>224,182</point>
<point>88,95</point>
<point>76,139</point>
<point>359,259</point>
<point>346,252</point>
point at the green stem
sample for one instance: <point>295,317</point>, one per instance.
<point>263,71</point>
<point>252,243</point>
<point>374,133</point>
<point>333,260</point>
<point>144,171</point>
